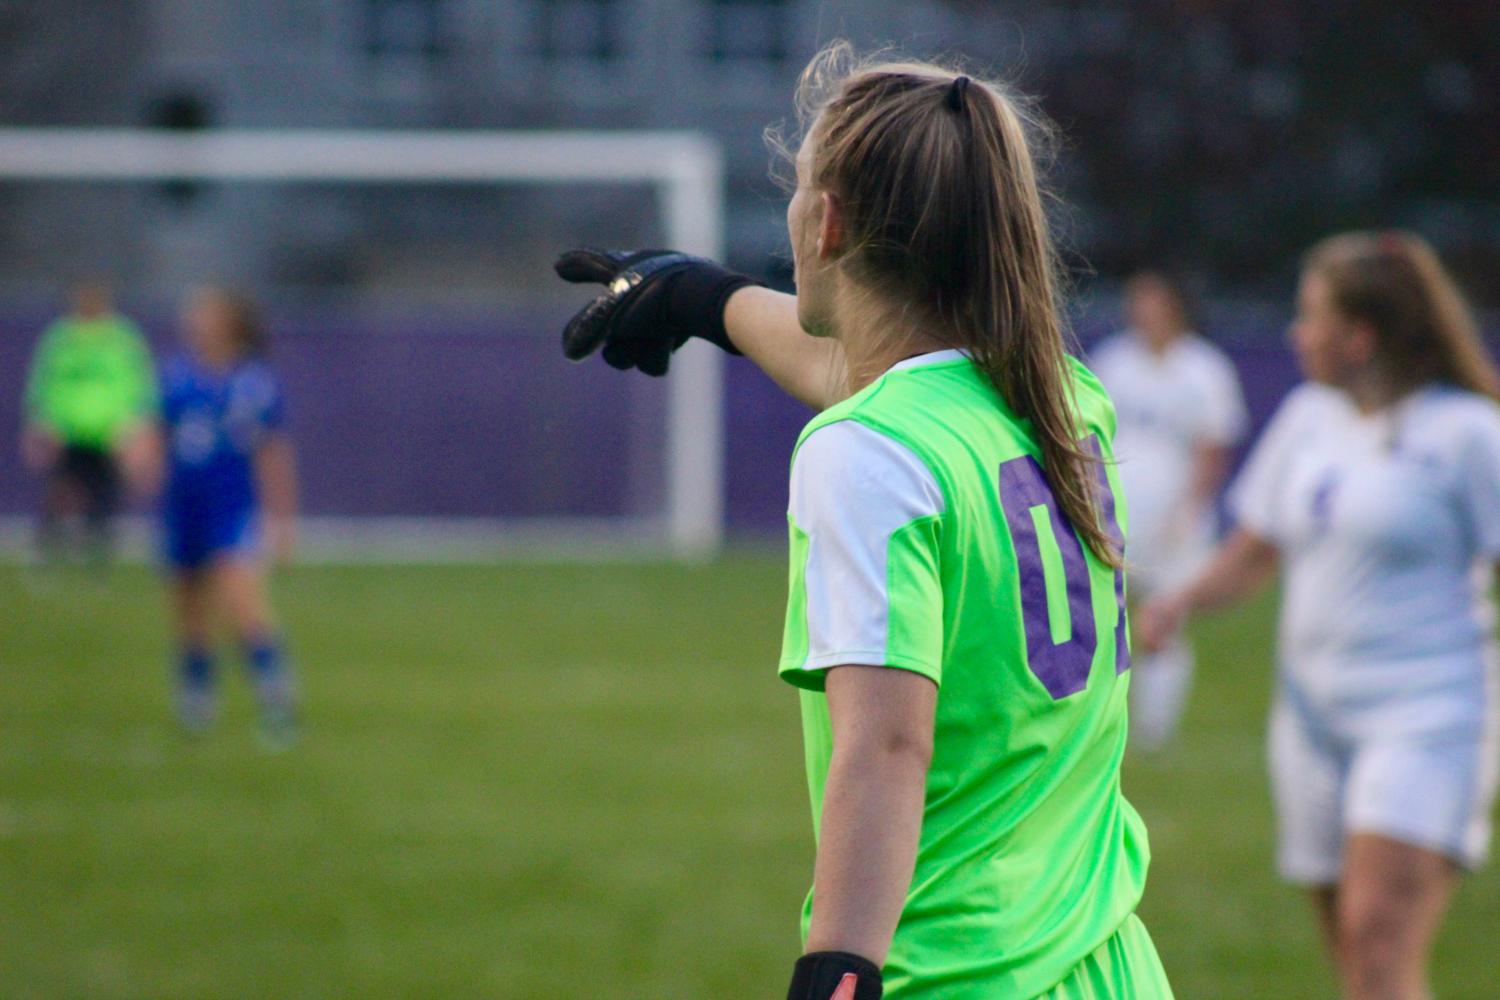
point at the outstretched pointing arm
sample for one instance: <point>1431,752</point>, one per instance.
<point>763,325</point>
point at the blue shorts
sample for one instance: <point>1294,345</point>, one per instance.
<point>192,541</point>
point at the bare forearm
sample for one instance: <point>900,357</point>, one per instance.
<point>763,325</point>
<point>276,473</point>
<point>1243,564</point>
<point>872,820</point>
<point>1210,469</point>
<point>145,457</point>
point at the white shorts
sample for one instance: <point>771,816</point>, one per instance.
<point>1434,791</point>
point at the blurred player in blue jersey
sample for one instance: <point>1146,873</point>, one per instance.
<point>229,501</point>
<point>1376,492</point>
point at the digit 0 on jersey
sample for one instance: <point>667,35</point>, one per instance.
<point>925,537</point>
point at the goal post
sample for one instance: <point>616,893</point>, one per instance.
<point>686,170</point>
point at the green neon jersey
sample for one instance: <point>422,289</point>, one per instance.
<point>90,380</point>
<point>924,537</point>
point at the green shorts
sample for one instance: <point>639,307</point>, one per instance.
<point>1125,967</point>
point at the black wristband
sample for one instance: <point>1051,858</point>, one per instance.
<point>817,976</point>
<point>705,292</point>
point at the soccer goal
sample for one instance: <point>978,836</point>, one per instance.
<point>681,514</point>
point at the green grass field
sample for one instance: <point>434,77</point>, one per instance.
<point>523,782</point>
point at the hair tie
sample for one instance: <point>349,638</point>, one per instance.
<point>956,92</point>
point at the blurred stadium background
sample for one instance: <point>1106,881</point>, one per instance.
<point>526,775</point>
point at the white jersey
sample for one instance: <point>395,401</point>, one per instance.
<point>1168,405</point>
<point>1388,526</point>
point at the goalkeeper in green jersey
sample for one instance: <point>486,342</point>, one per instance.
<point>955,622</point>
<point>89,394</point>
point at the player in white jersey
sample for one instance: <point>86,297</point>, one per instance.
<point>1180,413</point>
<point>1377,490</point>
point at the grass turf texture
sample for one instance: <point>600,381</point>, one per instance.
<point>527,781</point>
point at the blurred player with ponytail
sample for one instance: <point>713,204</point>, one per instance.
<point>1376,490</point>
<point>230,494</point>
<point>955,620</point>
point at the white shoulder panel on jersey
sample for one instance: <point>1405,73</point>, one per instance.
<point>1254,496</point>
<point>1109,350</point>
<point>1224,416</point>
<point>1474,422</point>
<point>852,488</point>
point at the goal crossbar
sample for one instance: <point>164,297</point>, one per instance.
<point>685,168</point>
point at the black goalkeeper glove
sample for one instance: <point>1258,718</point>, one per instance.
<point>835,975</point>
<point>653,301</point>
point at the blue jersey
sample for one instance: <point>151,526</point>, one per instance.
<point>214,423</point>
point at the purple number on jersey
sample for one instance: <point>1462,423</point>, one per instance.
<point>1112,523</point>
<point>1062,667</point>
<point>1322,500</point>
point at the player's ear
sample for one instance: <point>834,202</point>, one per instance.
<point>1361,342</point>
<point>831,227</point>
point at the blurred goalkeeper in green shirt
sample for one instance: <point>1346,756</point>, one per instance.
<point>89,393</point>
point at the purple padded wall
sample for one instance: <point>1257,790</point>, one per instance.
<point>420,417</point>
